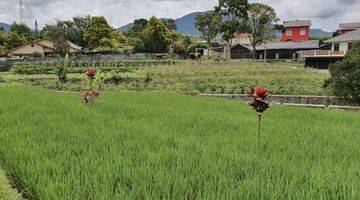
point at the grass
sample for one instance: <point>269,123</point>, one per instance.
<point>155,145</point>
<point>6,192</point>
<point>231,77</point>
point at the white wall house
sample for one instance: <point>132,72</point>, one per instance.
<point>343,43</point>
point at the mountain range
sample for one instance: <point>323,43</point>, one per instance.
<point>5,26</point>
<point>186,25</point>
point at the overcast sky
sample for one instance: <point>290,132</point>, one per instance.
<point>325,14</point>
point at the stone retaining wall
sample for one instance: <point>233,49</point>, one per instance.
<point>289,99</point>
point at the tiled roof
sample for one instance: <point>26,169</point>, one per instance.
<point>311,44</point>
<point>347,37</point>
<point>349,25</point>
<point>297,23</point>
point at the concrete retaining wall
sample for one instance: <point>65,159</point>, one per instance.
<point>290,99</point>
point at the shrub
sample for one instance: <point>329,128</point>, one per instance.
<point>36,54</point>
<point>345,76</point>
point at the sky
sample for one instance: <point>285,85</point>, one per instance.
<point>325,14</point>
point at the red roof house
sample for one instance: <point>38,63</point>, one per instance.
<point>296,31</point>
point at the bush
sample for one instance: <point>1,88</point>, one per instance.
<point>345,76</point>
<point>36,54</point>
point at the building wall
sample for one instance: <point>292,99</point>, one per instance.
<point>296,35</point>
<point>344,46</point>
<point>28,50</point>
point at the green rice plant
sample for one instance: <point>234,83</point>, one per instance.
<point>156,145</point>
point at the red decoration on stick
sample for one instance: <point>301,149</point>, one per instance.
<point>260,105</point>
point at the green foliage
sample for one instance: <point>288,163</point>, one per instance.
<point>140,145</point>
<point>261,20</point>
<point>72,30</point>
<point>61,46</point>
<point>98,29</point>
<point>14,40</point>
<point>170,24</point>
<point>192,48</point>
<point>179,49</point>
<point>22,30</point>
<point>36,54</point>
<point>138,27</point>
<point>235,13</point>
<point>157,37</point>
<point>138,44</point>
<point>345,76</point>
<point>62,68</point>
<point>208,75</point>
<point>208,24</point>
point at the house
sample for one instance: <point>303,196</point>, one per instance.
<point>339,46</point>
<point>275,50</point>
<point>296,31</point>
<point>41,47</point>
<point>241,38</point>
<point>347,27</point>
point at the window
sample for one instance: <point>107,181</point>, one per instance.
<point>32,45</point>
<point>350,46</point>
<point>336,47</point>
<point>288,32</point>
<point>303,31</point>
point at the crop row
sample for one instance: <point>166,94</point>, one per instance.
<point>85,64</point>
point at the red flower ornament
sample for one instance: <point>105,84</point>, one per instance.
<point>90,73</point>
<point>259,104</point>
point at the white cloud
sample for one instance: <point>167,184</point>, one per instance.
<point>326,14</point>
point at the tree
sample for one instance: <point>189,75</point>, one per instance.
<point>157,37</point>
<point>98,28</point>
<point>186,41</point>
<point>61,46</point>
<point>170,24</point>
<point>138,27</point>
<point>21,29</point>
<point>261,25</point>
<point>119,37</point>
<point>138,44</point>
<point>235,17</point>
<point>73,30</point>
<point>14,40</point>
<point>345,76</point>
<point>208,24</point>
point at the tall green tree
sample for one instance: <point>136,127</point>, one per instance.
<point>157,36</point>
<point>208,24</point>
<point>261,25</point>
<point>73,30</point>
<point>21,29</point>
<point>98,29</point>
<point>14,40</point>
<point>139,25</point>
<point>170,24</point>
<point>235,17</point>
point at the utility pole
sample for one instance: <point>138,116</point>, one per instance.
<point>21,11</point>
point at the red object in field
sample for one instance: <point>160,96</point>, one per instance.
<point>296,31</point>
<point>258,103</point>
<point>90,73</point>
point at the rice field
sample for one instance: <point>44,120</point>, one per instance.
<point>157,145</point>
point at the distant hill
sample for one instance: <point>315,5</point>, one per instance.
<point>5,26</point>
<point>319,32</point>
<point>186,25</point>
